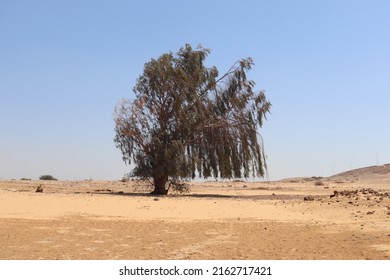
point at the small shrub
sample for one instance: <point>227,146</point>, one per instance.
<point>318,183</point>
<point>124,180</point>
<point>25,179</point>
<point>47,177</point>
<point>262,188</point>
<point>178,187</point>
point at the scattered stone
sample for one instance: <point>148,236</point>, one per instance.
<point>102,190</point>
<point>156,199</point>
<point>336,194</point>
<point>362,194</point>
<point>39,189</point>
<point>370,212</point>
<point>308,198</point>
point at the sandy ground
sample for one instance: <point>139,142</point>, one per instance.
<point>290,219</point>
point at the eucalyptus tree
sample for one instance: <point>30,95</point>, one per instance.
<point>188,121</point>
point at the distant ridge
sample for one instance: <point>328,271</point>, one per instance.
<point>365,173</point>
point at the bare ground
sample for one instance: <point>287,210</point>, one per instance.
<point>291,219</point>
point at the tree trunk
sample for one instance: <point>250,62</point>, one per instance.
<point>159,185</point>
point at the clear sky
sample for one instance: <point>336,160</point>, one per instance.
<point>325,66</point>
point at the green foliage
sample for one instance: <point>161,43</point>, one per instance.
<point>47,177</point>
<point>188,121</point>
<point>25,179</point>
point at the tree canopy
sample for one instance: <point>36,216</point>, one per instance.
<point>187,120</point>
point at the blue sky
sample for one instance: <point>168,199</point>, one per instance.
<point>325,66</point>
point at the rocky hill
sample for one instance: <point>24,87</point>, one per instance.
<point>381,172</point>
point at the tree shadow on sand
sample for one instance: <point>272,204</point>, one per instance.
<point>210,195</point>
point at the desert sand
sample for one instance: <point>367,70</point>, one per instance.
<point>346,216</point>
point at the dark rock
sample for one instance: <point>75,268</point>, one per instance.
<point>308,198</point>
